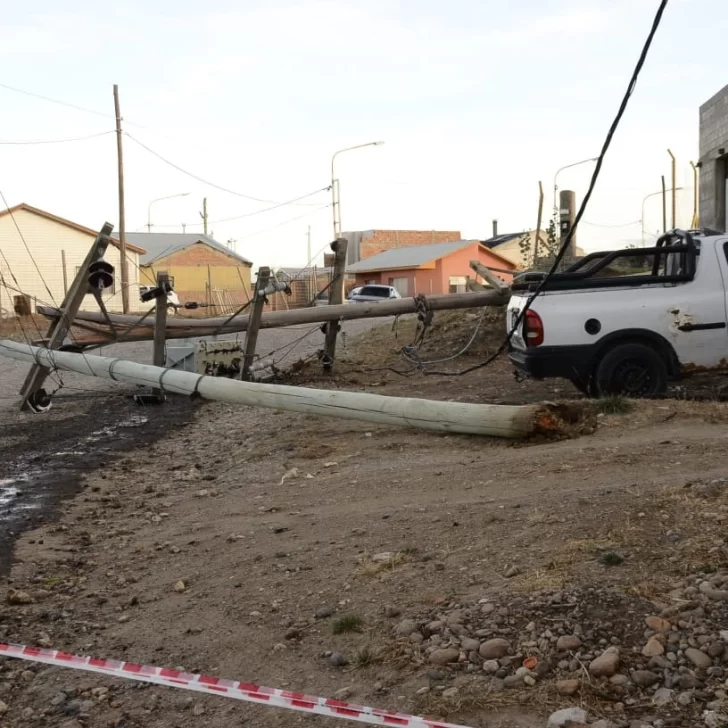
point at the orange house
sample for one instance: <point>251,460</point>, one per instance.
<point>429,269</point>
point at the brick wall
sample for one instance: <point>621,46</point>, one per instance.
<point>199,254</point>
<point>713,164</point>
<point>365,244</point>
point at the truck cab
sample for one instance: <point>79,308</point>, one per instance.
<point>612,326</point>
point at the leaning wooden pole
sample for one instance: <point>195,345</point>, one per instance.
<point>251,335</point>
<point>476,419</point>
<point>32,386</point>
<point>336,298</point>
<point>180,328</point>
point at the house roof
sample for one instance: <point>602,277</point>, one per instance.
<point>412,256</point>
<point>160,245</point>
<point>67,223</point>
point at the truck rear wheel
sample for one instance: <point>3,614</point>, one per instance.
<point>631,370</point>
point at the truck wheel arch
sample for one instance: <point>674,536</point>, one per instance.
<point>639,336</point>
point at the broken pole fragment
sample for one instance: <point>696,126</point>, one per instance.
<point>453,417</point>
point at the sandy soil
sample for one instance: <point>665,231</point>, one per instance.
<point>269,517</point>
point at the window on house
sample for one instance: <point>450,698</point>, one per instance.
<point>401,285</point>
<point>458,284</point>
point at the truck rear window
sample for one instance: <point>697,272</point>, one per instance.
<point>380,291</point>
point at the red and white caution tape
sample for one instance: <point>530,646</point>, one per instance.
<point>217,686</point>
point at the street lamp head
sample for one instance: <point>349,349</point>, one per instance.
<point>377,144</point>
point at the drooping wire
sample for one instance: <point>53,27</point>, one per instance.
<point>274,204</point>
<point>580,213</point>
<point>54,101</point>
<point>20,142</point>
<point>624,224</point>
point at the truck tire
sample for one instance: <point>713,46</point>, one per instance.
<point>631,370</point>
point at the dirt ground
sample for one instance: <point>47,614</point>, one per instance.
<point>276,523</point>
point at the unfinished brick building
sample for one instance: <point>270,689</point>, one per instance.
<point>364,244</point>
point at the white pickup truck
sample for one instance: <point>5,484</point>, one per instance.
<point>627,331</point>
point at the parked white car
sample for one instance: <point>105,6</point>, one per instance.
<point>374,294</point>
<point>627,334</point>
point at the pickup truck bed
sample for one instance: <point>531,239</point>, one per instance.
<point>627,334</point>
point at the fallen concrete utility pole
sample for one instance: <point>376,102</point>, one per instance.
<point>181,328</point>
<point>476,419</point>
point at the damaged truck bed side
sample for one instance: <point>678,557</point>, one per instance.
<point>621,329</point>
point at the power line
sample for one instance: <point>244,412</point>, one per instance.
<point>259,212</point>
<point>54,101</point>
<point>592,184</point>
<point>625,224</point>
<point>54,141</point>
<point>220,187</point>
<point>285,222</point>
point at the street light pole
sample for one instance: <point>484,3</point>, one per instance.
<point>647,197</point>
<point>159,199</point>
<point>335,198</point>
<point>558,171</point>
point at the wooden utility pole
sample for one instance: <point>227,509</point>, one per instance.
<point>183,328</point>
<point>203,215</point>
<point>251,335</point>
<point>538,223</point>
<point>336,297</point>
<point>70,305</point>
<point>122,212</point>
<point>567,213</point>
<point>160,325</point>
<point>664,206</point>
<point>674,190</point>
<point>696,218</point>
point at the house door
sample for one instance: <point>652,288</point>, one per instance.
<point>401,284</point>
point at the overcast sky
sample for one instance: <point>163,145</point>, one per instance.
<point>477,100</point>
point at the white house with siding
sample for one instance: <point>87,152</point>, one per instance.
<point>33,247</point>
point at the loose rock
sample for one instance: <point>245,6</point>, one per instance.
<point>658,624</point>
<point>444,657</point>
<point>653,648</point>
<point>605,665</point>
<point>494,649</point>
<point>406,627</point>
<point>568,687</point>
<point>698,658</point>
<point>15,596</point>
<point>644,678</point>
<point>568,643</point>
<point>563,718</point>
